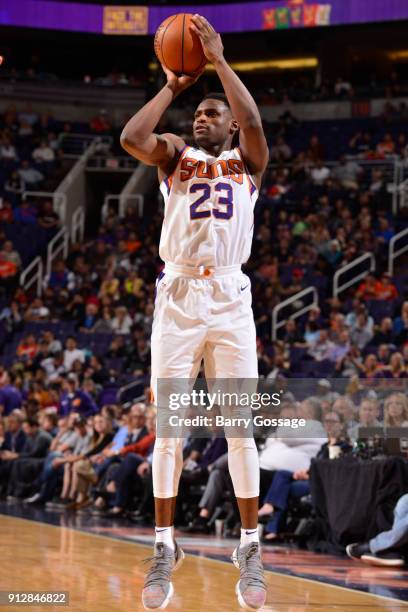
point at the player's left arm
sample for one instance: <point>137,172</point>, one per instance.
<point>244,109</point>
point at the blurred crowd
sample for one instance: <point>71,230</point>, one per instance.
<point>69,439</point>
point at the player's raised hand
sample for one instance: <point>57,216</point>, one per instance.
<point>210,39</point>
<point>178,83</point>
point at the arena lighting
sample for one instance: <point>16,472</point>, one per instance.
<point>284,64</point>
<point>280,64</point>
<point>402,54</point>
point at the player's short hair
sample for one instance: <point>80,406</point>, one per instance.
<point>217,95</point>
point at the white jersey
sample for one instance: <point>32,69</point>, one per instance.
<point>208,214</point>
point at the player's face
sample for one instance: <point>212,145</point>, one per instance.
<point>213,123</point>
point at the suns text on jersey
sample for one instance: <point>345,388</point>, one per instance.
<point>233,168</point>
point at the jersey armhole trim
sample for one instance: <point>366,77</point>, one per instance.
<point>168,180</point>
<point>251,184</point>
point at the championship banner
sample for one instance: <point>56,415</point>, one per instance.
<point>296,14</point>
<point>132,20</point>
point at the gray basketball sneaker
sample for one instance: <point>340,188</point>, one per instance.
<point>158,589</point>
<point>251,586</point>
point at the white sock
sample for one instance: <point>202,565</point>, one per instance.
<point>165,535</point>
<point>248,536</point>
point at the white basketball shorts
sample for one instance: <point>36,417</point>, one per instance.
<point>203,314</point>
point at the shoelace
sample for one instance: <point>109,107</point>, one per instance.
<point>250,567</point>
<point>160,569</point>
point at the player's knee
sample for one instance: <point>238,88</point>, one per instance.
<point>241,444</point>
<point>168,446</point>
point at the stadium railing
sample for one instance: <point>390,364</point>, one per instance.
<point>32,274</point>
<point>78,225</point>
<point>397,246</point>
<point>352,267</point>
<point>301,310</point>
<point>57,247</point>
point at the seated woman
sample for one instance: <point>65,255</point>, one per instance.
<point>78,466</point>
<point>288,485</point>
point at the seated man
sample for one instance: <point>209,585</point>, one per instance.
<point>16,468</point>
<point>368,417</point>
<point>383,549</point>
<point>127,473</point>
<point>218,483</point>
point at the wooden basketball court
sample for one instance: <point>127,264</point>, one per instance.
<point>104,574</point>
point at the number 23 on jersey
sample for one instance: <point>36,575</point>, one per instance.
<point>220,196</point>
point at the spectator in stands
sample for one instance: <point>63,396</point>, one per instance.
<point>83,473</point>
<point>25,213</point>
<point>348,173</point>
<point>110,285</point>
<point>287,484</point>
<point>47,217</point>
<point>15,437</point>
<point>361,333</point>
<point>321,348</point>
<point>28,348</point>
<point>90,319</point>
<point>342,88</point>
<point>319,173</point>
<point>386,146</point>
<point>344,406</point>
<point>281,151</point>
<point>284,450</point>
<point>75,399</point>
<point>28,115</point>
<point>36,311</point>
<point>316,150</point>
<point>396,410</point>
<point>14,186</point>
<point>341,347</point>
<point>384,232</point>
<point>31,176</point>
<point>6,213</point>
<point>60,277</point>
<point>72,353</point>
<point>43,153</point>
<point>368,414</point>
<point>122,321</point>
<point>100,124</point>
<point>127,474</point>
<point>386,290</point>
<point>384,334</point>
<point>83,442</point>
<point>396,369</point>
<point>17,468</point>
<point>8,151</point>
<point>9,253</point>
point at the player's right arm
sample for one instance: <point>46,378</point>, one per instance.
<point>138,137</point>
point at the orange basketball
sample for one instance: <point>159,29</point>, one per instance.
<point>177,47</point>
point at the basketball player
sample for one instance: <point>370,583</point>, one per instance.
<point>203,302</point>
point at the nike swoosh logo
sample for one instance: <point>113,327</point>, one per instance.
<point>243,288</point>
<point>160,530</point>
<point>249,532</point>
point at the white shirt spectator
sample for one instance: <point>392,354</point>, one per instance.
<point>8,151</point>
<point>30,176</point>
<point>319,174</point>
<point>72,355</point>
<point>285,450</point>
<point>43,153</point>
<point>122,325</point>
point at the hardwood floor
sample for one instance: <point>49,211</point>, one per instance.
<point>104,574</point>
